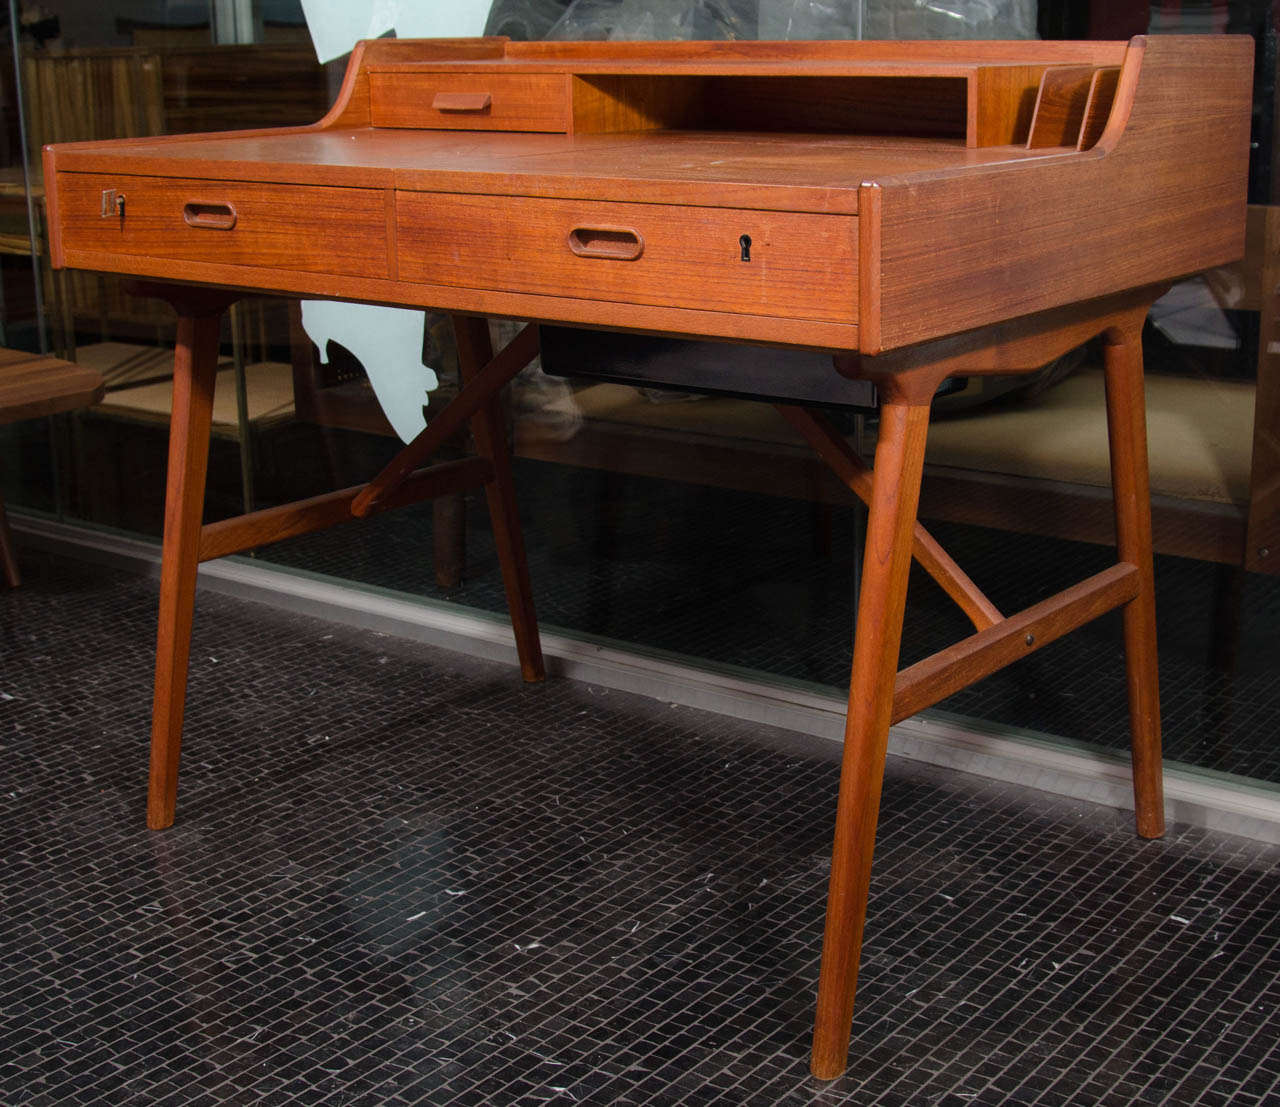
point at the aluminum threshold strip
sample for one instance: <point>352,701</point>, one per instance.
<point>1193,796</point>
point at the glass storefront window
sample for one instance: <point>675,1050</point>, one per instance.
<point>698,526</point>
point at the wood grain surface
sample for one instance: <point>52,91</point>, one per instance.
<point>881,602</point>
<point>800,265</point>
<point>194,370</point>
<point>286,227</point>
<point>839,456</point>
<point>1060,106</point>
<point>1131,488</point>
<point>863,53</point>
<point>1001,103</point>
<point>1162,194</point>
<point>516,101</point>
<point>32,385</point>
<point>271,524</point>
<point>489,432</point>
<point>1000,644</point>
<point>1097,111</point>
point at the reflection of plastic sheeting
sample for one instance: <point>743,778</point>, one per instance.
<point>337,25</point>
<point>524,20</point>
<point>763,19</point>
<point>950,19</point>
<point>810,19</point>
<point>439,19</point>
<point>657,19</point>
<point>388,343</point>
<point>1190,314</point>
<point>971,13</point>
<point>541,403</point>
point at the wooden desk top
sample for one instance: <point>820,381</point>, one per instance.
<point>783,172</point>
<point>890,192</point>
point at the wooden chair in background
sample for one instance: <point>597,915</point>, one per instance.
<point>1262,522</point>
<point>140,91</point>
<point>33,385</point>
<point>77,96</point>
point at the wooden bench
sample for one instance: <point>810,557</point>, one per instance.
<point>32,385</point>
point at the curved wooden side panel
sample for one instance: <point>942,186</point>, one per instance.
<point>1160,196</point>
<point>351,108</point>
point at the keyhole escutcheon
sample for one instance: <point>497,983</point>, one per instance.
<point>744,241</point>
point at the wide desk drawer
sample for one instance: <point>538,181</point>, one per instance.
<point>794,265</point>
<point>470,102</point>
<point>297,227</point>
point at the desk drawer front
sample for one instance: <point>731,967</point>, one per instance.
<point>799,265</point>
<point>298,227</point>
<point>470,102</point>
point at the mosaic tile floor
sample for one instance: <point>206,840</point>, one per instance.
<point>401,877</point>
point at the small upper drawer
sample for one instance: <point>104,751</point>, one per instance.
<point>269,226</point>
<point>470,101</point>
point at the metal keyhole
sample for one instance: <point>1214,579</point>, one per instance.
<point>745,242</point>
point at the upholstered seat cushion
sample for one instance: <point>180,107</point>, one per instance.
<point>1199,432</point>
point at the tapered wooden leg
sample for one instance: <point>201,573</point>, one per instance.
<point>475,349</point>
<point>895,495</point>
<point>8,555</point>
<point>195,362</point>
<point>1127,430</point>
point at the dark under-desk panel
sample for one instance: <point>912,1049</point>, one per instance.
<point>754,372</point>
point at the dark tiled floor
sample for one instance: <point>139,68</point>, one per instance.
<point>400,876</point>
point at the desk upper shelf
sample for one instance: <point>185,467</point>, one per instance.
<point>981,104</point>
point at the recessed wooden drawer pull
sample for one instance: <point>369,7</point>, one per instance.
<point>462,101</point>
<point>213,217</point>
<point>613,243</point>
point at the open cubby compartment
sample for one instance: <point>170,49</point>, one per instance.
<point>984,105</point>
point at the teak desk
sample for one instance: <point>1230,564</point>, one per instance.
<point>917,210</point>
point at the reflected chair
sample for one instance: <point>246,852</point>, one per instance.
<point>32,385</point>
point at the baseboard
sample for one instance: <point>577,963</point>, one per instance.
<point>1194,796</point>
